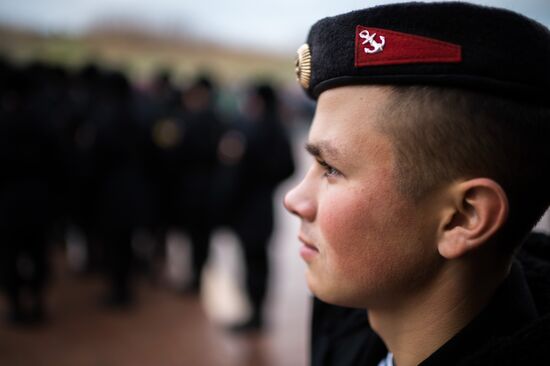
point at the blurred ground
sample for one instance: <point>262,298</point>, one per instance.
<point>166,328</point>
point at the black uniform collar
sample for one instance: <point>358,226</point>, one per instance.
<point>511,308</point>
<point>342,336</point>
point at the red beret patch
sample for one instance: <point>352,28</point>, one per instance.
<point>376,46</point>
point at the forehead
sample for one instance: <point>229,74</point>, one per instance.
<point>347,119</point>
<point>364,104</point>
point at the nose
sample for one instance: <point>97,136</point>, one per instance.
<point>300,201</point>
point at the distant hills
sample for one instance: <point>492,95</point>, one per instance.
<point>140,53</point>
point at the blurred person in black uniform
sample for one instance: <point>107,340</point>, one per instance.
<point>27,158</point>
<point>124,200</point>
<point>194,199</point>
<point>163,114</point>
<point>266,161</point>
<point>77,138</point>
<point>166,96</point>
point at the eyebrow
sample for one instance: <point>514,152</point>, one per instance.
<point>322,150</point>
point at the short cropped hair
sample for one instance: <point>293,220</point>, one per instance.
<point>441,135</point>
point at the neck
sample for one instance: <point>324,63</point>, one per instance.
<point>417,325</point>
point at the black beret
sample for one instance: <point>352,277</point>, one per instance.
<point>450,44</point>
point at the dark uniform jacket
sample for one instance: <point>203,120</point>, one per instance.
<point>513,329</point>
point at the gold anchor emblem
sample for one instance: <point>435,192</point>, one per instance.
<point>303,65</point>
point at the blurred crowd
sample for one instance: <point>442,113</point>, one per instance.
<point>87,150</point>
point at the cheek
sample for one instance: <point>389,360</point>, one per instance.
<point>355,215</point>
<point>354,229</point>
<point>365,243</point>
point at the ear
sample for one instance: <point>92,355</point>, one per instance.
<point>477,210</point>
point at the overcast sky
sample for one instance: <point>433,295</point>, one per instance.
<point>276,25</point>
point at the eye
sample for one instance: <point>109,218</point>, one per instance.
<point>329,170</point>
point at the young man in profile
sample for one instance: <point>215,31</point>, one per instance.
<point>431,167</point>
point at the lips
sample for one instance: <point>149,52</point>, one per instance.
<point>308,251</point>
<point>307,243</point>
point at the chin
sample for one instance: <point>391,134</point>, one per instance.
<point>334,294</point>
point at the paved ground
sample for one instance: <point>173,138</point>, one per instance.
<point>166,328</point>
